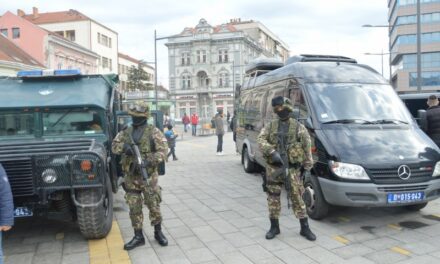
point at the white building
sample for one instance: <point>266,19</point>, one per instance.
<point>125,62</point>
<point>83,30</point>
<point>206,61</point>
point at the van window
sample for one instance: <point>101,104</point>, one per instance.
<point>368,102</point>
<point>244,105</point>
<point>255,111</point>
<point>299,104</point>
<point>277,91</point>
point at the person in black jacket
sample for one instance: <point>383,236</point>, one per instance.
<point>6,207</point>
<point>433,119</point>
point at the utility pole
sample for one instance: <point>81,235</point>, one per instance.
<point>419,48</point>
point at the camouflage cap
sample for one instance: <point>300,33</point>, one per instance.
<point>139,108</point>
<point>282,101</point>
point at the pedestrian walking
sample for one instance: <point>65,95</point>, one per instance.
<point>194,123</point>
<point>285,144</point>
<point>219,130</point>
<point>433,119</point>
<point>6,208</point>
<point>153,147</point>
<point>185,122</point>
<point>166,120</point>
<point>171,138</point>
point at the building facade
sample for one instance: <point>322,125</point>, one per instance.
<point>14,59</point>
<point>206,62</point>
<point>47,48</point>
<point>82,30</point>
<point>402,18</point>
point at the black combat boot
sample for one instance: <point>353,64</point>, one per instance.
<point>138,240</point>
<point>159,236</point>
<point>274,229</point>
<point>305,230</point>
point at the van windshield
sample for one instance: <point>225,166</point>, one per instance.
<point>357,103</point>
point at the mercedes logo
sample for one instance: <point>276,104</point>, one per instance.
<point>404,172</point>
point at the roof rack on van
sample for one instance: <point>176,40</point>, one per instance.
<point>312,57</point>
<point>263,64</point>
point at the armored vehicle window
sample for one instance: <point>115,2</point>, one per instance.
<point>17,124</point>
<point>72,122</point>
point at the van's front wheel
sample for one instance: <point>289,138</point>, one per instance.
<point>317,207</point>
<point>248,165</point>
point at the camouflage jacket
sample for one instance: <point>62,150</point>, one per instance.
<point>298,143</point>
<point>152,145</point>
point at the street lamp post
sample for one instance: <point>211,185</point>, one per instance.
<point>155,66</point>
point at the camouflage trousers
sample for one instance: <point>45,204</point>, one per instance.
<point>138,194</point>
<point>274,186</point>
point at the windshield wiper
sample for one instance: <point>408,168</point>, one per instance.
<point>348,121</point>
<point>389,121</point>
<point>61,117</point>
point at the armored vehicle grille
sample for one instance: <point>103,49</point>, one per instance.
<point>38,148</point>
<point>390,176</point>
<point>19,172</point>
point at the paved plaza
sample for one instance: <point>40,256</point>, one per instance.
<point>214,212</point>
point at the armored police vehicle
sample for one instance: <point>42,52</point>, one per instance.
<point>56,129</point>
<point>368,149</point>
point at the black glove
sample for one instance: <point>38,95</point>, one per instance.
<point>127,149</point>
<point>276,159</point>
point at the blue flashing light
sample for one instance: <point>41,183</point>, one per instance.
<point>67,72</point>
<point>29,73</point>
<point>46,73</point>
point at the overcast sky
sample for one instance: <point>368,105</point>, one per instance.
<point>307,26</point>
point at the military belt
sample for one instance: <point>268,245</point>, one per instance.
<point>133,191</point>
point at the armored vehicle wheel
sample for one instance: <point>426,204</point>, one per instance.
<point>95,222</point>
<point>317,207</point>
<point>248,165</point>
<point>416,207</point>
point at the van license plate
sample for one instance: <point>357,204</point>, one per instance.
<point>22,212</point>
<point>405,197</point>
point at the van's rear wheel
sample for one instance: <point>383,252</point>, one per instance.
<point>248,165</point>
<point>416,207</point>
<point>317,207</point>
<point>95,222</point>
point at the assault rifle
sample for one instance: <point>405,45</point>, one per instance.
<point>139,162</point>
<point>282,149</point>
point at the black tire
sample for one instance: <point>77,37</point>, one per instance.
<point>415,207</point>
<point>95,222</point>
<point>317,207</point>
<point>248,165</point>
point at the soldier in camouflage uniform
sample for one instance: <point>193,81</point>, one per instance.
<point>296,146</point>
<point>153,148</point>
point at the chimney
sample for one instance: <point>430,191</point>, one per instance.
<point>20,13</point>
<point>35,12</point>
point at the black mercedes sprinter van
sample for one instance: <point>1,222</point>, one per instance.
<point>367,148</point>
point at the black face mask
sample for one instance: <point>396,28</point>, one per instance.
<point>283,114</point>
<point>139,120</point>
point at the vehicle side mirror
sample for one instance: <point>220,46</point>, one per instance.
<point>422,120</point>
<point>309,123</point>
